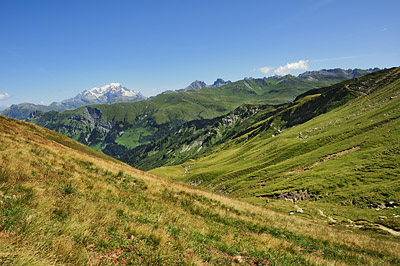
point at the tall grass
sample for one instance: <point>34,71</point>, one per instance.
<point>66,206</point>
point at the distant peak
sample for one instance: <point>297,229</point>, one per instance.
<point>197,85</point>
<point>113,92</point>
<point>336,73</point>
<point>112,85</point>
<point>219,82</point>
<point>115,84</point>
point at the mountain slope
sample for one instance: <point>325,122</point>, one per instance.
<point>62,203</point>
<point>193,138</point>
<point>117,128</point>
<point>196,137</point>
<point>345,155</point>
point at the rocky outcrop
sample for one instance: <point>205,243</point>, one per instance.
<point>190,139</point>
<point>87,126</point>
<point>296,195</point>
<point>197,85</point>
<point>218,83</point>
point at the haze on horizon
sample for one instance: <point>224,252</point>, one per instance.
<point>52,50</point>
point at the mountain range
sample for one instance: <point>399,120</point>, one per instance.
<point>115,92</point>
<point>334,148</point>
<point>118,128</point>
<point>111,93</point>
<point>199,136</point>
<point>197,85</point>
<point>353,119</point>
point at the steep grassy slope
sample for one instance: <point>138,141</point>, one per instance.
<point>62,203</point>
<point>117,128</point>
<point>348,156</point>
<point>196,137</point>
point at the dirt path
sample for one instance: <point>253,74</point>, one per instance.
<point>391,231</point>
<point>352,224</point>
<point>324,215</point>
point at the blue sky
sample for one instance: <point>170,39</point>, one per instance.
<point>52,50</point>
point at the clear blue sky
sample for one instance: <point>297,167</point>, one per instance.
<point>52,50</point>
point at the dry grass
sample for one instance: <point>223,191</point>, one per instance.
<point>65,206</point>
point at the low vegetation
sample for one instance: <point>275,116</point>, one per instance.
<point>62,203</point>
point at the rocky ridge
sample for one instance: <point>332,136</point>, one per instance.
<point>197,85</point>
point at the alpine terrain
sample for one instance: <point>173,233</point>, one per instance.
<point>259,133</point>
<point>63,203</point>
<point>334,151</point>
<point>118,128</point>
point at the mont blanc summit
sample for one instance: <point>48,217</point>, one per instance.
<point>113,92</point>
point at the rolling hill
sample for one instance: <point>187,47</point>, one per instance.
<point>62,203</point>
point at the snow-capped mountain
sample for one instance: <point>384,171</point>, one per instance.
<point>111,93</point>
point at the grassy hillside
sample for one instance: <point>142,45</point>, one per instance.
<point>196,137</point>
<point>199,136</point>
<point>345,161</point>
<point>117,128</point>
<point>62,203</point>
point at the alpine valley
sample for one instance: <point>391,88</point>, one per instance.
<point>116,129</point>
<point>285,170</point>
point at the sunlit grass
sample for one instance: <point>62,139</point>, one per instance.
<point>347,159</point>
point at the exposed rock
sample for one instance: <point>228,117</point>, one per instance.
<point>187,168</point>
<point>195,183</point>
<point>222,189</point>
<point>299,210</point>
<point>382,206</point>
<point>218,83</point>
<point>198,85</point>
<point>293,195</point>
